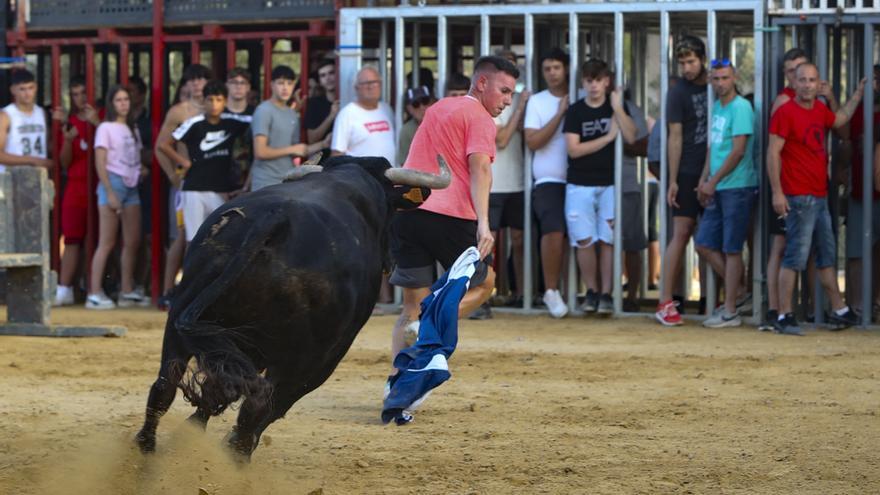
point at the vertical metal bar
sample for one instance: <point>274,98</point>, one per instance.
<point>528,288</point>
<point>664,159</point>
<point>267,67</point>
<point>350,29</point>
<point>230,54</point>
<point>485,35</point>
<point>822,65</point>
<point>758,146</point>
<point>123,63</point>
<point>867,174</point>
<point>56,173</point>
<point>157,99</point>
<point>416,56</point>
<point>383,60</point>
<point>711,34</point>
<point>399,46</point>
<point>442,57</point>
<point>618,176</point>
<point>304,48</point>
<point>573,45</point>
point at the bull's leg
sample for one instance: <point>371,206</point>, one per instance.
<point>200,418</point>
<point>163,390</point>
<point>252,421</point>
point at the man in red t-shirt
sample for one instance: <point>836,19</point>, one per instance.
<point>797,164</point>
<point>462,130</point>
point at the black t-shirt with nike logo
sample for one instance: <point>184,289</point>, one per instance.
<point>210,151</point>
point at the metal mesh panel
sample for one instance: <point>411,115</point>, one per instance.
<point>89,13</point>
<point>245,10</point>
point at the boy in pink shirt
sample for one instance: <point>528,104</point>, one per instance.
<point>462,130</point>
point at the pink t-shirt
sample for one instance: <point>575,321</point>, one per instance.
<point>123,151</point>
<point>454,128</point>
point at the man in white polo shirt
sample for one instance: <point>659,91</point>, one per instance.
<point>365,127</point>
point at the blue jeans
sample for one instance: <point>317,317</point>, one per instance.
<point>127,195</point>
<point>726,221</point>
<point>808,223</point>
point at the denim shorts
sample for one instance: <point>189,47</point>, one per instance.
<point>128,196</point>
<point>725,223</point>
<point>588,211</point>
<point>808,224</point>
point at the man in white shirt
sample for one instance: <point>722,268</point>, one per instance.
<point>24,136</point>
<point>545,113</point>
<point>365,127</point>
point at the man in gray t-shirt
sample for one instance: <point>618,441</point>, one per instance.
<point>275,127</point>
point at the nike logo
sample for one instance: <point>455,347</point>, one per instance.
<point>212,140</point>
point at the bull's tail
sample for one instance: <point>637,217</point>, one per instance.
<point>223,372</point>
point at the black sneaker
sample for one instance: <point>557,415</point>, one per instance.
<point>770,320</point>
<point>591,302</point>
<point>680,300</point>
<point>514,302</point>
<point>606,305</point>
<point>484,312</point>
<point>846,320</point>
<point>788,326</point>
<point>630,306</point>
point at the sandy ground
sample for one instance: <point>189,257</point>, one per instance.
<point>534,406</point>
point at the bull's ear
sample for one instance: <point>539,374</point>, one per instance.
<point>409,197</point>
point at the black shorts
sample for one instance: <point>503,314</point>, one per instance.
<point>420,239</point>
<point>688,204</point>
<point>633,226</point>
<point>653,208</point>
<point>548,201</point>
<point>775,224</point>
<point>506,210</point>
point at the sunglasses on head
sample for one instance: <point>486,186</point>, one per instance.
<point>420,102</point>
<point>719,63</point>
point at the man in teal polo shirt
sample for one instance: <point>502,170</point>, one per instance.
<point>727,190</point>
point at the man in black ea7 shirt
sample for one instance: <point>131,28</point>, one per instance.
<point>210,171</point>
<point>590,128</point>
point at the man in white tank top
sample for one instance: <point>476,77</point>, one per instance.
<point>24,136</point>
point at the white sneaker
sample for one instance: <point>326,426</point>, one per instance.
<point>134,298</point>
<point>63,296</point>
<point>99,301</point>
<point>555,304</point>
<point>411,333</point>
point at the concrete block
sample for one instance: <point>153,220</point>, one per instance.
<point>37,330</point>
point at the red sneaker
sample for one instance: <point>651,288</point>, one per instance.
<point>667,314</point>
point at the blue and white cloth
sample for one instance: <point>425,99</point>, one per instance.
<point>423,367</point>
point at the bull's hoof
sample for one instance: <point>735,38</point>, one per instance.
<point>198,419</point>
<point>242,446</point>
<point>146,443</point>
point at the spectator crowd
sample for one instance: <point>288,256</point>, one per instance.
<point>215,144</point>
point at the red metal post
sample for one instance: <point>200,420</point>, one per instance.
<point>230,54</point>
<point>195,50</point>
<point>157,77</point>
<point>267,68</point>
<point>56,173</point>
<point>92,176</point>
<point>123,63</point>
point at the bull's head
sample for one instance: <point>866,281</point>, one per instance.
<point>406,188</point>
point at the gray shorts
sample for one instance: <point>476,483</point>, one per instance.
<point>855,227</point>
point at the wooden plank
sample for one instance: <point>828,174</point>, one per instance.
<point>37,330</point>
<point>18,260</point>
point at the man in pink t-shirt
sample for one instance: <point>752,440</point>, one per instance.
<point>462,130</point>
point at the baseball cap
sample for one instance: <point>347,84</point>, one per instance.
<point>416,94</point>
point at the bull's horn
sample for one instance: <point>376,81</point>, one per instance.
<point>421,179</point>
<point>302,171</point>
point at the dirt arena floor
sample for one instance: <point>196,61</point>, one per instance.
<point>534,406</point>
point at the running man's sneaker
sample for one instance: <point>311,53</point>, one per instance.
<point>63,296</point>
<point>722,320</point>
<point>788,325</point>
<point>846,320</point>
<point>769,323</point>
<point>133,298</point>
<point>667,314</point>
<point>555,304</point>
<point>484,312</point>
<point>606,305</point>
<point>99,301</point>
<point>591,302</point>
<point>165,302</point>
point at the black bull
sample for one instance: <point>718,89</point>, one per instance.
<point>276,286</point>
